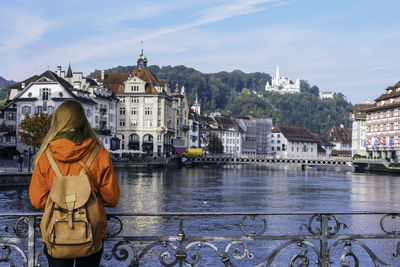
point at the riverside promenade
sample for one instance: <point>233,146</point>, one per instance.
<point>9,175</point>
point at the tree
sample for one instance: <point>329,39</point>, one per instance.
<point>215,144</point>
<point>34,129</point>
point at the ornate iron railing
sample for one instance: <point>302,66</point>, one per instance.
<point>226,239</point>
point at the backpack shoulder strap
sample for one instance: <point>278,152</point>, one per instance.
<point>53,164</point>
<point>90,159</point>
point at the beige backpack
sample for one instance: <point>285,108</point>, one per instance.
<point>71,224</point>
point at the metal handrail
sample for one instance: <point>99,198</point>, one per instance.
<point>320,237</point>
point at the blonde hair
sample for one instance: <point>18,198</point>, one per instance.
<point>69,117</point>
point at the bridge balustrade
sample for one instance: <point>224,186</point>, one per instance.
<point>229,159</point>
<point>225,239</point>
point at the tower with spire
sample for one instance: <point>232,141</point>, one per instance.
<point>196,106</point>
<point>142,61</point>
<point>282,84</point>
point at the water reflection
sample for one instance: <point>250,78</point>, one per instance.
<point>241,189</point>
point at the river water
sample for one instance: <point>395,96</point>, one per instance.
<point>244,189</point>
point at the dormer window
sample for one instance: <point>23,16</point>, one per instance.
<point>45,92</point>
<point>382,102</point>
<point>135,88</point>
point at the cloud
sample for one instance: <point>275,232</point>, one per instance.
<point>19,29</point>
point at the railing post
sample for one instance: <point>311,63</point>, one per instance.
<point>324,241</point>
<point>180,255</point>
<point>31,241</point>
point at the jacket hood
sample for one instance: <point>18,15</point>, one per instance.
<point>65,150</point>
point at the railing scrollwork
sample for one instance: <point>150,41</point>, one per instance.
<point>247,240</point>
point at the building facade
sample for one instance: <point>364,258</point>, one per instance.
<point>359,130</point>
<point>382,125</point>
<point>226,128</point>
<point>293,142</point>
<point>147,112</point>
<point>194,130</point>
<point>282,84</point>
<point>256,136</point>
<point>105,110</point>
<point>340,137</point>
<point>42,93</point>
<point>180,109</point>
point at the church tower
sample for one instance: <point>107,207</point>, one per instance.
<point>196,106</point>
<point>142,61</point>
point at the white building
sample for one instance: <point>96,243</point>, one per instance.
<point>194,130</point>
<point>359,130</point>
<point>326,95</point>
<point>293,142</point>
<point>196,107</point>
<point>282,84</point>
<point>226,128</point>
<point>105,110</point>
<point>38,94</point>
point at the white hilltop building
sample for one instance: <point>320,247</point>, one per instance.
<point>282,84</point>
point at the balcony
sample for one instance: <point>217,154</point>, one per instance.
<point>231,239</point>
<point>103,131</point>
<point>103,111</point>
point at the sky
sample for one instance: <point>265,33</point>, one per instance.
<point>352,47</point>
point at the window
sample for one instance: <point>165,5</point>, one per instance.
<point>122,111</point>
<point>148,100</point>
<point>148,123</point>
<point>112,106</point>
<point>39,109</point>
<point>135,123</point>
<point>121,122</point>
<point>278,148</point>
<point>45,92</point>
<point>159,111</point>
<point>135,111</point>
<point>96,119</point>
<point>148,111</point>
<point>111,118</point>
<point>11,116</point>
<point>159,123</point>
<point>135,88</point>
<point>135,100</point>
<point>26,109</point>
<point>88,111</point>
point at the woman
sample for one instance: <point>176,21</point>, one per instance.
<point>69,141</point>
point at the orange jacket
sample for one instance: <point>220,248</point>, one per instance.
<point>67,154</point>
